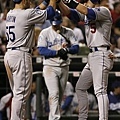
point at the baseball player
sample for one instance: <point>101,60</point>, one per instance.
<point>54,44</point>
<point>98,23</point>
<point>20,24</point>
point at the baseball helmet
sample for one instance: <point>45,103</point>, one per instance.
<point>57,19</point>
<point>17,1</point>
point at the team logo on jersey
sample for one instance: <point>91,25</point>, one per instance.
<point>38,11</point>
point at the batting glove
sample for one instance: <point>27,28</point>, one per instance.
<point>62,53</point>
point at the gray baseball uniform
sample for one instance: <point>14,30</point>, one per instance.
<point>20,35</point>
<point>55,70</point>
<point>99,64</point>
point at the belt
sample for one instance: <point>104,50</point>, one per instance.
<point>21,49</point>
<point>93,49</point>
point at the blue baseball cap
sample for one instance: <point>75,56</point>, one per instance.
<point>116,84</point>
<point>57,19</point>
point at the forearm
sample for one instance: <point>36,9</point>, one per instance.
<point>74,49</point>
<point>82,9</point>
<point>47,52</point>
<point>64,8</point>
<point>53,4</point>
<point>42,6</point>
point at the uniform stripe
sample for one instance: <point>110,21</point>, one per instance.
<point>24,86</point>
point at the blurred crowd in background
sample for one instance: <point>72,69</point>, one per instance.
<point>78,28</point>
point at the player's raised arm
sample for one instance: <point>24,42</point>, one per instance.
<point>86,9</point>
<point>46,3</point>
<point>43,5</point>
<point>79,7</point>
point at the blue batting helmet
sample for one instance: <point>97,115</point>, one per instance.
<point>57,19</point>
<point>17,1</point>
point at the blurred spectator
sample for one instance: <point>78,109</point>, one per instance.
<point>5,105</point>
<point>3,40</point>
<point>105,3</point>
<point>114,97</point>
<point>115,38</point>
<point>111,3</point>
<point>77,31</point>
<point>45,105</point>
<point>92,103</point>
<point>6,6</point>
<point>34,3</point>
<point>73,25</point>
<point>66,21</point>
<point>115,12</point>
<point>67,99</point>
<point>37,32</point>
<point>33,100</point>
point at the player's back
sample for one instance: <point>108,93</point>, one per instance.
<point>20,26</point>
<point>18,29</point>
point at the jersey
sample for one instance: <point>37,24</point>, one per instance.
<point>54,41</point>
<point>21,33</point>
<point>101,27</point>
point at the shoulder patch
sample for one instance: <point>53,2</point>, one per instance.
<point>38,11</point>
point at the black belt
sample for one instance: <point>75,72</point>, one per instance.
<point>19,48</point>
<point>99,48</point>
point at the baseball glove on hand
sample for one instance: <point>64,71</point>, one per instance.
<point>62,53</point>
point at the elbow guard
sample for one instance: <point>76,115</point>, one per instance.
<point>74,15</point>
<point>91,14</point>
<point>50,12</point>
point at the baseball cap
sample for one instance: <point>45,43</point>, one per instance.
<point>57,19</point>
